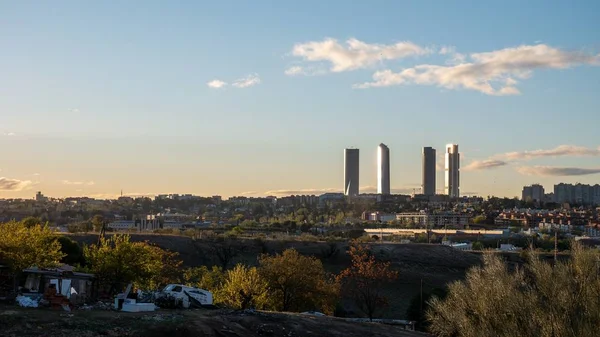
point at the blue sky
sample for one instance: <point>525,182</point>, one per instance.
<point>99,97</point>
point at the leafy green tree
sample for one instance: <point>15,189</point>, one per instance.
<point>31,221</point>
<point>298,283</point>
<point>72,250</point>
<point>117,261</point>
<point>23,247</point>
<point>478,245</point>
<point>97,222</point>
<point>540,299</point>
<point>244,288</point>
<point>204,278</point>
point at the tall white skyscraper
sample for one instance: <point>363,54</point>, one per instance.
<point>383,169</point>
<point>351,172</point>
<point>452,172</point>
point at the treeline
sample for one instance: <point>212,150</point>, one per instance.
<point>287,281</point>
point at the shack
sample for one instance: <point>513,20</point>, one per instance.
<point>76,287</point>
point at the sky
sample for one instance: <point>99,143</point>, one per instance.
<point>261,97</point>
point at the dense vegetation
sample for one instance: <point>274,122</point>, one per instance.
<point>540,299</point>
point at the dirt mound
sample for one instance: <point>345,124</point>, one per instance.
<point>16,321</point>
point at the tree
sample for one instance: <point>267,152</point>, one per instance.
<point>31,221</point>
<point>72,250</point>
<point>204,278</point>
<point>117,261</point>
<point>22,247</point>
<point>298,283</point>
<point>97,222</point>
<point>364,279</point>
<point>480,219</point>
<point>539,299</point>
<point>477,245</point>
<point>244,288</point>
<point>225,250</point>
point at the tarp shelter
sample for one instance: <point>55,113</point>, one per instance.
<point>77,287</point>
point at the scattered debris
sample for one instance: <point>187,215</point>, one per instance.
<point>27,302</point>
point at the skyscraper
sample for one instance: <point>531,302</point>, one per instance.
<point>429,168</point>
<point>383,169</point>
<point>351,172</point>
<point>452,171</point>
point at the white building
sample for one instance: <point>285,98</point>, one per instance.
<point>383,169</point>
<point>452,171</point>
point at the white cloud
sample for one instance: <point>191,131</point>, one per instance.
<point>507,158</point>
<point>7,184</point>
<point>556,171</point>
<point>36,174</point>
<point>74,110</point>
<point>78,183</point>
<point>355,54</point>
<point>305,71</point>
<point>561,150</point>
<point>293,71</point>
<point>9,134</point>
<point>248,81</point>
<point>216,84</point>
<point>484,164</point>
<point>456,58</point>
<point>492,73</point>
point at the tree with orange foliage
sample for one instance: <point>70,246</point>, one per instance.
<point>364,279</point>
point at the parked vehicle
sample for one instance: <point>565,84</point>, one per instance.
<point>188,296</point>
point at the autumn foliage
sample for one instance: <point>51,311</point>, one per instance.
<point>298,283</point>
<point>364,279</point>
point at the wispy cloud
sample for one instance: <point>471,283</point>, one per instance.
<point>484,165</point>
<point>492,73</point>
<point>408,189</point>
<point>216,84</point>
<point>74,110</point>
<point>556,171</point>
<point>308,191</point>
<point>246,82</point>
<point>7,184</point>
<point>36,174</point>
<point>507,158</point>
<point>78,183</point>
<point>455,57</point>
<point>305,71</point>
<point>561,150</point>
<point>249,193</point>
<point>9,134</point>
<point>354,54</point>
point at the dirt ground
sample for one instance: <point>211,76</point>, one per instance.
<point>16,322</point>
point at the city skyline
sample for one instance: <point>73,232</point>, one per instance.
<point>200,98</point>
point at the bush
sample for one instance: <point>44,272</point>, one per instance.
<point>538,300</point>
